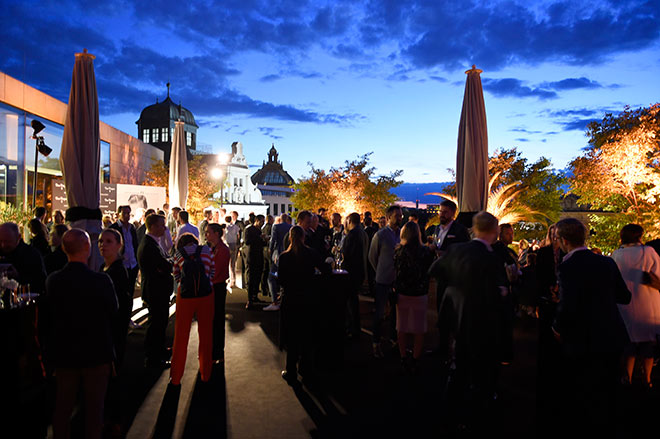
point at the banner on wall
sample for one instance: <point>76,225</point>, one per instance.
<point>113,195</point>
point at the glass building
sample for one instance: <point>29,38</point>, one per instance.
<point>124,159</point>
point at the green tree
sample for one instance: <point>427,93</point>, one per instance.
<point>200,186</point>
<point>620,172</point>
<point>354,187</point>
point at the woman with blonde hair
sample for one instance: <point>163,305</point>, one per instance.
<point>412,260</point>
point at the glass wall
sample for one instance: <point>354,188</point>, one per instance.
<point>17,150</point>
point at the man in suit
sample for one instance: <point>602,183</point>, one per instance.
<point>354,249</point>
<point>27,263</point>
<point>469,315</point>
<point>446,234</point>
<point>80,305</point>
<point>276,247</point>
<point>591,332</point>
<point>253,255</point>
<point>509,259</point>
<point>157,285</point>
<point>131,242</point>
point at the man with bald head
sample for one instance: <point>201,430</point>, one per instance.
<point>79,305</point>
<point>27,263</point>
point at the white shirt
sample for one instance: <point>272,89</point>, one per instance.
<point>130,258</point>
<point>442,233</point>
<point>569,254</point>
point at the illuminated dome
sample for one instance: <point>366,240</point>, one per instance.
<point>272,172</point>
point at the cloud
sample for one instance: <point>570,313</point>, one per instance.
<point>576,124</point>
<point>268,131</point>
<point>572,84</point>
<point>493,37</point>
<point>522,139</point>
<point>524,130</point>
<point>438,78</point>
<point>270,78</point>
<point>511,87</point>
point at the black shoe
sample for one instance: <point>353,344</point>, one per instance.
<point>258,300</point>
<point>157,364</point>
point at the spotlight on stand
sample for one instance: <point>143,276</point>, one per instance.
<point>40,147</point>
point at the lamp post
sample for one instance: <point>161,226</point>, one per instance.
<point>216,173</point>
<point>40,147</point>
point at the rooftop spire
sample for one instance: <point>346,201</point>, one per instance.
<point>168,89</point>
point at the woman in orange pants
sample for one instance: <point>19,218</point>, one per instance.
<point>194,296</point>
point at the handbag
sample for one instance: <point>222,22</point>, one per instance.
<point>649,278</point>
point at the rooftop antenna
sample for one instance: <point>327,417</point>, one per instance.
<point>168,89</point>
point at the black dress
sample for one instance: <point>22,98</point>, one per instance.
<point>296,275</point>
<point>119,276</point>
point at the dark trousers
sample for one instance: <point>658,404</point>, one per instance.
<point>220,292</point>
<point>254,271</point>
<point>155,345</point>
<point>94,382</point>
<point>590,386</point>
<point>383,294</point>
<point>471,389</point>
<point>132,278</point>
<point>353,307</point>
<point>297,331</point>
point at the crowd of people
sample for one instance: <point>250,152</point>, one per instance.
<point>596,315</point>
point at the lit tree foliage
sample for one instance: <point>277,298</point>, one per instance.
<point>200,184</point>
<point>620,172</point>
<point>353,187</point>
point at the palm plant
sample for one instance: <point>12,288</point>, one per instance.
<point>500,202</point>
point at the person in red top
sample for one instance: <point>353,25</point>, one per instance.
<point>200,303</point>
<point>221,258</point>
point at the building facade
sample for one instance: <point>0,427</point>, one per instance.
<point>275,184</point>
<point>156,126</point>
<point>124,159</point>
<point>238,193</point>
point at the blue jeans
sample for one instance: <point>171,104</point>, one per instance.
<point>382,294</point>
<point>273,284</point>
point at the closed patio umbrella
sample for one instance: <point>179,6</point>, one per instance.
<point>81,153</point>
<point>472,152</point>
<point>178,182</point>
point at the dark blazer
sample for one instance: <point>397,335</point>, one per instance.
<point>277,238</point>
<point>80,305</point>
<point>55,260</point>
<point>29,264</point>
<point>588,319</point>
<point>457,233</point>
<point>354,252</point>
<point>136,242</point>
<point>156,269</point>
<point>469,307</point>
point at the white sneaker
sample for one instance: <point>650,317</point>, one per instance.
<point>272,307</point>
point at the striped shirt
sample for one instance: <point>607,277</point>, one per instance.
<point>207,260</point>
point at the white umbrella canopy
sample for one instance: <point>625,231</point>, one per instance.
<point>472,152</point>
<point>178,181</point>
<point>81,153</point>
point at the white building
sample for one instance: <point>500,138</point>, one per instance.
<point>238,193</point>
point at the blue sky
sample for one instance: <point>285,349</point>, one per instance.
<point>327,81</point>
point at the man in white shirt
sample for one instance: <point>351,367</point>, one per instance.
<point>232,233</point>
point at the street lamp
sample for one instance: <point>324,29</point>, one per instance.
<point>40,147</point>
<point>216,173</point>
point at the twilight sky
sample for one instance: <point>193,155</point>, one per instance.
<point>327,81</point>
